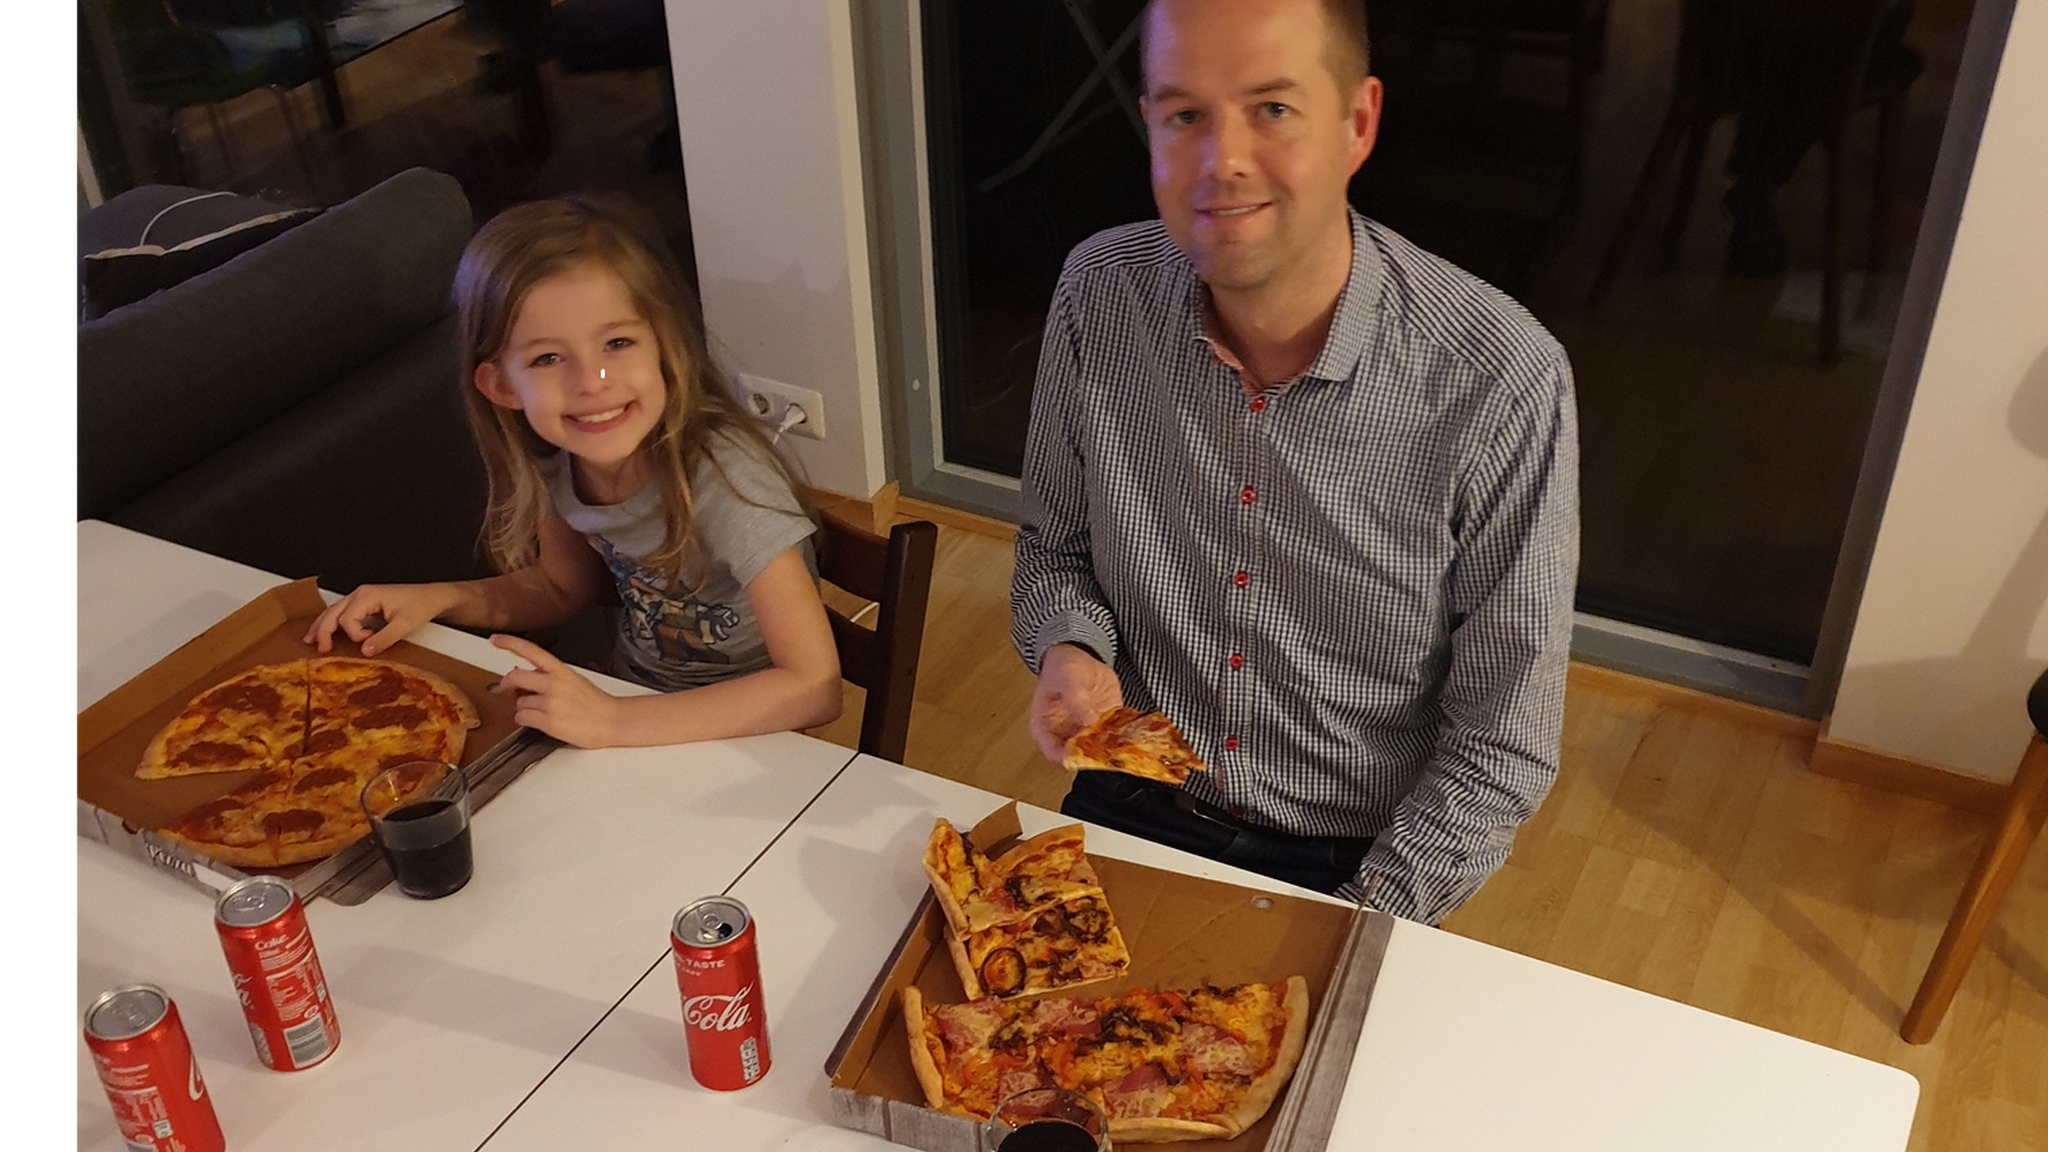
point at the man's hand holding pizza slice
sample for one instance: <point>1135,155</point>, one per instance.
<point>1074,689</point>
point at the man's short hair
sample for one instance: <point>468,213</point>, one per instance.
<point>1349,52</point>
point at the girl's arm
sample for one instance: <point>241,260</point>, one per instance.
<point>565,578</point>
<point>800,689</point>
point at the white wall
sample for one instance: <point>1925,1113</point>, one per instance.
<point>1953,626</point>
<point>765,100</point>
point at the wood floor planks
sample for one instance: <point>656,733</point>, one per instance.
<point>1686,850</point>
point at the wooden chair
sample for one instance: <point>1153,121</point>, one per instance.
<point>2019,825</point>
<point>894,572</point>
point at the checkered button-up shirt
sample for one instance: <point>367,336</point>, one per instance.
<point>1352,590</point>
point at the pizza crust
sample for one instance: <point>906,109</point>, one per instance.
<point>1161,1130</point>
<point>935,870</point>
<point>268,854</point>
<point>970,980</point>
<point>921,1062</point>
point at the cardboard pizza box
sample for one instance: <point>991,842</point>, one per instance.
<point>1181,931</point>
<point>117,809</point>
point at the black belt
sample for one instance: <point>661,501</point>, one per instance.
<point>1233,818</point>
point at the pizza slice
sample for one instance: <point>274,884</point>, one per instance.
<point>1164,1065</point>
<point>1140,743</point>
<point>277,818</point>
<point>251,720</point>
<point>1064,946</point>
<point>977,893</point>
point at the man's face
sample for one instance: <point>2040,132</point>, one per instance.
<point>1253,140</point>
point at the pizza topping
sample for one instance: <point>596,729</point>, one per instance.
<point>322,778</point>
<point>391,716</point>
<point>212,752</point>
<point>1142,1077</point>
<point>385,690</point>
<point>1089,919</point>
<point>1014,1035</point>
<point>241,697</point>
<point>1002,972</point>
<point>326,740</point>
<point>293,820</point>
<point>1123,1024</point>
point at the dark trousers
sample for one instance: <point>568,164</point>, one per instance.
<point>1171,817</point>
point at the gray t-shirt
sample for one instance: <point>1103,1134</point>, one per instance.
<point>686,637</point>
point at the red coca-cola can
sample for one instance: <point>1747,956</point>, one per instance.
<point>277,976</point>
<point>719,972</point>
<point>146,1065</point>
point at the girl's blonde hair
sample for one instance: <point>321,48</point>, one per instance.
<point>527,244</point>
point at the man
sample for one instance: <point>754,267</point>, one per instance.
<point>1304,488</point>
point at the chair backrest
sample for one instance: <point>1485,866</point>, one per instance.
<point>895,572</point>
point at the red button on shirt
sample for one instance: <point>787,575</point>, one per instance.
<point>1236,662</point>
<point>1258,403</point>
<point>1247,496</point>
<point>1230,743</point>
<point>1242,579</point>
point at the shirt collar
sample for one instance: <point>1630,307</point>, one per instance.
<point>1348,328</point>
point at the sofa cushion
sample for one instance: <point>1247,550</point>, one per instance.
<point>162,214</point>
<point>163,257</point>
<point>172,379</point>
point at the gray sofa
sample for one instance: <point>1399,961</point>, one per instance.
<point>297,408</point>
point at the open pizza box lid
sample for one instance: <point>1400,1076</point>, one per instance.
<point>117,809</point>
<point>1181,930</point>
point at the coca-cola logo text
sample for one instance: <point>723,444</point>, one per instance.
<point>718,1013</point>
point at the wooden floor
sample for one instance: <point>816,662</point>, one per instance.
<point>1686,851</point>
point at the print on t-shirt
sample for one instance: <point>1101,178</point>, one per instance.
<point>683,629</point>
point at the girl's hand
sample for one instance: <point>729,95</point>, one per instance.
<point>556,699</point>
<point>402,609</point>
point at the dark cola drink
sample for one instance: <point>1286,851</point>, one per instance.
<point>1049,1136</point>
<point>424,866</point>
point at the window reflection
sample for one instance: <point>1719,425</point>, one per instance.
<point>1709,202</point>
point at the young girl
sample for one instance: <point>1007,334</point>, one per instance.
<point>617,458</point>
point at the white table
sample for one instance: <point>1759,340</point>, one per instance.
<point>451,1010</point>
<point>455,1013</point>
<point>1466,1046</point>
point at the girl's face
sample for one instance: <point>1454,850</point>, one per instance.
<point>585,368</point>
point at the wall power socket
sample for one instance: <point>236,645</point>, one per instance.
<point>771,400</point>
